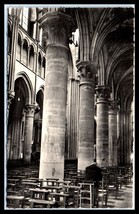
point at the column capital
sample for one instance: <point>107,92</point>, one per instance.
<point>30,109</point>
<point>113,105</point>
<point>57,27</point>
<point>87,71</point>
<point>103,92</point>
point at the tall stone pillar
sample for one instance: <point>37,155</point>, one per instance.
<point>121,132</point>
<point>57,27</point>
<point>15,138</point>
<point>28,133</point>
<point>11,71</point>
<point>87,73</point>
<point>127,137</point>
<point>72,118</point>
<point>113,134</point>
<point>103,93</point>
<point>130,139</point>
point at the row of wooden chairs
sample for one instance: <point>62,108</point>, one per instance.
<point>70,191</point>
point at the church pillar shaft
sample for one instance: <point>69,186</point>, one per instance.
<point>102,125</point>
<point>86,114</point>
<point>121,146</point>
<point>28,133</point>
<point>11,71</point>
<point>55,95</point>
<point>15,139</point>
<point>112,135</point>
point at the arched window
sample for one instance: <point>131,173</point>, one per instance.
<point>24,15</point>
<point>43,68</point>
<point>44,40</point>
<point>39,64</point>
<point>40,37</point>
<point>25,53</point>
<point>31,58</point>
<point>31,24</point>
<point>18,49</point>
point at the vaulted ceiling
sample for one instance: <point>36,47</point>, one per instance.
<point>107,38</point>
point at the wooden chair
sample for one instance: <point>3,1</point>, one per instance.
<point>42,203</point>
<point>73,192</point>
<point>15,201</point>
<point>39,197</point>
<point>103,192</point>
<point>86,196</point>
<point>113,185</point>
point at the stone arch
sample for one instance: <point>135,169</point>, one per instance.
<point>28,41</point>
<point>28,88</point>
<point>109,27</point>
<point>127,75</point>
<point>41,88</point>
<point>21,34</point>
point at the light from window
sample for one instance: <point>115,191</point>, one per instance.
<point>24,18</point>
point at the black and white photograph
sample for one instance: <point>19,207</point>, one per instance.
<point>69,136</point>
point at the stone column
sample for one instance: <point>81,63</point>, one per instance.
<point>118,136</point>
<point>121,132</point>
<point>113,133</point>
<point>87,73</point>
<point>72,117</point>
<point>103,93</point>
<point>28,133</point>
<point>11,71</point>
<point>127,137</point>
<point>57,27</point>
<point>130,136</point>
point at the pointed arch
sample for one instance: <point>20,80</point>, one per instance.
<point>27,86</point>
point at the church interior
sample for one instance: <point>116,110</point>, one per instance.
<point>70,102</point>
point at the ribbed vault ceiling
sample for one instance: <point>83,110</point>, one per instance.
<point>106,38</point>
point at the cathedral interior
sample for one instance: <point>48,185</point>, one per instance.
<point>70,102</point>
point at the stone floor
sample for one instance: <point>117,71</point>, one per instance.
<point>125,198</point>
